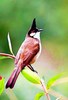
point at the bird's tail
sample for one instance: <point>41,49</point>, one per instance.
<point>11,81</point>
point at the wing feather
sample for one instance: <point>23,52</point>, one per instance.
<point>27,52</point>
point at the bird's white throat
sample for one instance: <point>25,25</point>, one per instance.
<point>36,35</point>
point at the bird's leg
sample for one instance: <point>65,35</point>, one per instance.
<point>30,67</point>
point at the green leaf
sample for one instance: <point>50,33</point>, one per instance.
<point>31,76</point>
<point>10,45</point>
<point>1,84</point>
<point>53,79</point>
<point>39,95</point>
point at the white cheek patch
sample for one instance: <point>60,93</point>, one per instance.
<point>37,35</point>
<point>32,34</point>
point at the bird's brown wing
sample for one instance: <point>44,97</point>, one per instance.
<point>27,52</point>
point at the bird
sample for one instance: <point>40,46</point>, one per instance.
<point>27,54</point>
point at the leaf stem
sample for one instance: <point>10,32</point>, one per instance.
<point>7,55</point>
<point>45,90</point>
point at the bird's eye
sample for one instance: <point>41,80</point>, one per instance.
<point>32,34</point>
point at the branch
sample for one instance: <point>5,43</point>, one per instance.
<point>7,55</point>
<point>45,90</point>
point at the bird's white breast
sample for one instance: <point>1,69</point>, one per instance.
<point>39,51</point>
<point>37,35</point>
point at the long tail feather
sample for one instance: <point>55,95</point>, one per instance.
<point>13,77</point>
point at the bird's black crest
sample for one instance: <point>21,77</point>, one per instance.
<point>33,27</point>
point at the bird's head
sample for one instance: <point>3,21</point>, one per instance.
<point>34,32</point>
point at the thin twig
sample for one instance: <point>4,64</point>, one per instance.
<point>45,90</point>
<point>57,95</point>
<point>7,55</point>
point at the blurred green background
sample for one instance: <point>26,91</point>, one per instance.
<point>52,16</point>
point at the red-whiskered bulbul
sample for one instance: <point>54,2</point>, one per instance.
<point>27,53</point>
